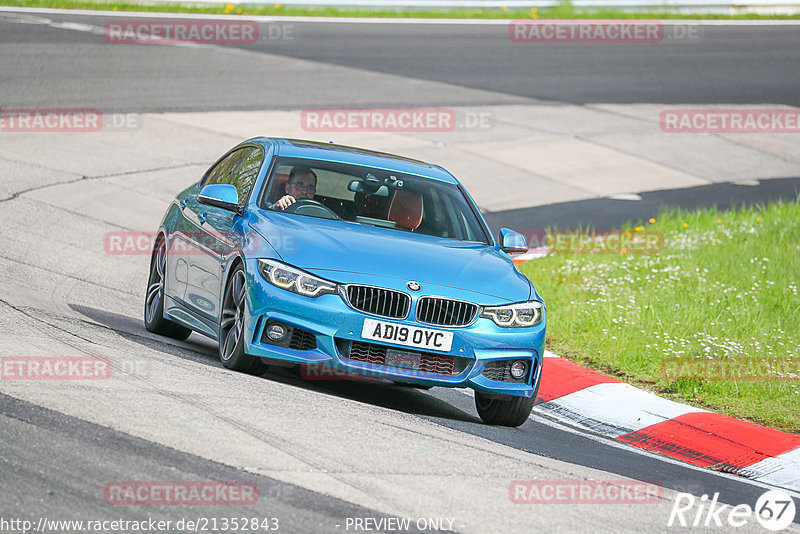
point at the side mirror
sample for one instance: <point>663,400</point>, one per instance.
<point>223,196</point>
<point>512,242</point>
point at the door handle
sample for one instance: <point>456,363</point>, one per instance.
<point>202,218</point>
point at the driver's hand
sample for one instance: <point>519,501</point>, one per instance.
<point>285,201</point>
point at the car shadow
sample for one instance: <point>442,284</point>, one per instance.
<point>396,397</point>
<point>197,348</point>
<point>202,350</point>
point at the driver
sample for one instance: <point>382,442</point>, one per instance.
<point>302,184</point>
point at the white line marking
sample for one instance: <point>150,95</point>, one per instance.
<point>77,27</point>
<point>782,470</point>
<point>356,20</point>
<point>625,196</point>
<point>532,254</point>
<point>614,409</point>
<point>98,30</point>
<point>558,424</point>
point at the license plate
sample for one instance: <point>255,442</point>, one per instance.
<point>407,335</point>
<point>402,358</point>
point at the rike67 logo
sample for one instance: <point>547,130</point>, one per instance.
<point>774,510</point>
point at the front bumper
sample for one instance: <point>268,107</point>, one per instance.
<point>337,327</point>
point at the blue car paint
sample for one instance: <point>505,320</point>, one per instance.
<point>322,244</point>
<point>346,253</point>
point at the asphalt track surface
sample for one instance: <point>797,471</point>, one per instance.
<point>722,65</point>
<point>609,213</point>
<point>58,448</point>
<point>473,65</point>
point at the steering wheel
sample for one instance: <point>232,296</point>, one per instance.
<point>311,208</point>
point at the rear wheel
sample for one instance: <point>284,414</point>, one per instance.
<point>507,411</point>
<point>231,328</point>
<point>154,319</point>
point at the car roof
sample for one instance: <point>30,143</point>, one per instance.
<point>300,148</point>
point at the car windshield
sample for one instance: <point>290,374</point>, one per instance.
<point>374,197</point>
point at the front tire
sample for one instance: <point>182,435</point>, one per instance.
<point>231,328</point>
<point>154,319</point>
<point>510,411</point>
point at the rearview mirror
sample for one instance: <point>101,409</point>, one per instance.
<point>223,196</point>
<point>512,242</point>
<point>358,186</point>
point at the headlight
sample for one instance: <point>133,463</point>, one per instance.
<point>517,315</point>
<point>286,277</point>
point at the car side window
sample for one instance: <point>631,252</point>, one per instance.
<point>239,169</point>
<point>245,174</point>
<point>218,173</point>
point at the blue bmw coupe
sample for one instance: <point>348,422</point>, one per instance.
<point>298,253</point>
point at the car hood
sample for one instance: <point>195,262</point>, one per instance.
<point>338,246</point>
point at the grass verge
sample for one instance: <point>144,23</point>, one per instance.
<point>711,320</point>
<point>563,11</point>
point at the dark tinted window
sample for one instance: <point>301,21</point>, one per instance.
<point>218,173</point>
<point>382,198</point>
<point>239,169</point>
